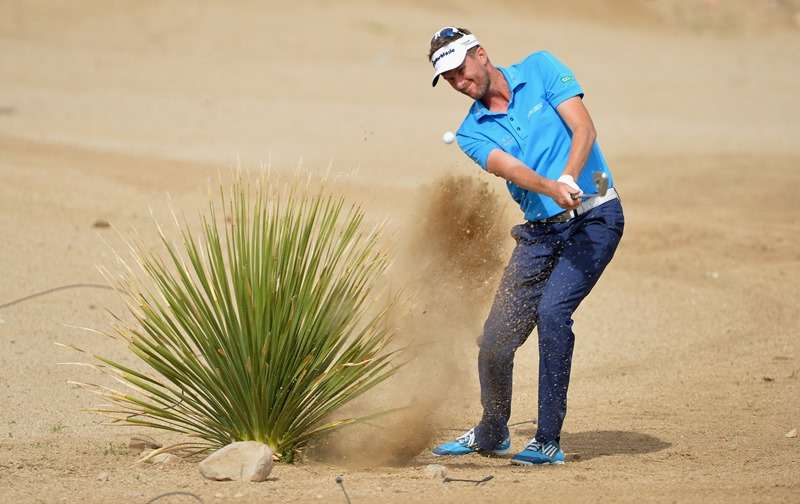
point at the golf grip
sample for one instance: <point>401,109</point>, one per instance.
<point>584,195</point>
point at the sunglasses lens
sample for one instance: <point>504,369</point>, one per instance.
<point>446,32</point>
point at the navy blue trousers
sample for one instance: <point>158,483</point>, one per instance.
<point>552,268</point>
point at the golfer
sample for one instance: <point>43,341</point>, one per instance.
<point>528,125</point>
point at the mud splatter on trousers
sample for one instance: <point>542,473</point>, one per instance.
<point>552,269</point>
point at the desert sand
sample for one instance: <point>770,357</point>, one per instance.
<point>686,374</point>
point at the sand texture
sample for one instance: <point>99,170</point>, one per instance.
<point>686,374</point>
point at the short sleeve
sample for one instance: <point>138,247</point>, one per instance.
<point>476,148</point>
<point>559,81</point>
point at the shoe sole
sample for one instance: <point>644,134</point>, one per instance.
<point>526,463</point>
<point>493,452</point>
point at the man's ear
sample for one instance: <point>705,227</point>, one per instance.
<point>481,54</point>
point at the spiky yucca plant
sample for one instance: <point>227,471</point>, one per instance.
<point>258,331</point>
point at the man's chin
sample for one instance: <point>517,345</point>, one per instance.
<point>473,95</point>
<point>477,94</point>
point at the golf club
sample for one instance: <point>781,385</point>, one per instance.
<point>601,181</point>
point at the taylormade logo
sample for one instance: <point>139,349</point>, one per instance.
<point>437,58</point>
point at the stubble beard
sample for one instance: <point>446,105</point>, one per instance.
<point>483,86</point>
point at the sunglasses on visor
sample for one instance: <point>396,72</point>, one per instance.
<point>447,31</point>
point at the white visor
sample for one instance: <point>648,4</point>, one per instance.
<point>452,55</point>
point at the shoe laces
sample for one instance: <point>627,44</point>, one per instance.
<point>534,445</point>
<point>549,448</point>
<point>467,439</point>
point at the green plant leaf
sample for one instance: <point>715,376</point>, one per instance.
<point>260,327</point>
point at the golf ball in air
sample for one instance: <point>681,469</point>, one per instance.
<point>448,137</point>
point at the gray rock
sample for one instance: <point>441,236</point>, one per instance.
<point>435,471</point>
<point>240,461</point>
<point>103,476</point>
<point>791,434</point>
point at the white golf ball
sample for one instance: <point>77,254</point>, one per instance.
<point>448,137</point>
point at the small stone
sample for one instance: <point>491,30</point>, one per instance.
<point>791,434</point>
<point>139,444</point>
<point>101,224</point>
<point>241,461</point>
<point>103,476</point>
<point>238,495</point>
<point>435,471</point>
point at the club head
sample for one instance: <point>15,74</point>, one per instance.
<point>601,181</point>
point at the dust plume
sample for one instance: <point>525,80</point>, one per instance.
<point>454,250</point>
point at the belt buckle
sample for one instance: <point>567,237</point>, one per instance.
<point>564,216</point>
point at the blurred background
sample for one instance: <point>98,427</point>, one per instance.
<point>346,82</point>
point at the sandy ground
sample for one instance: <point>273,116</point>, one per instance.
<point>687,366</point>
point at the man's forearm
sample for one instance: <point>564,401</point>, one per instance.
<point>508,167</point>
<point>582,142</point>
<point>529,180</point>
<point>513,170</point>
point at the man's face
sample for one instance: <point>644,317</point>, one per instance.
<point>472,77</point>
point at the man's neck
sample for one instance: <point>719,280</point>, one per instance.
<point>498,95</point>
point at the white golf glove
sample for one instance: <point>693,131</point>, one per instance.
<point>567,179</point>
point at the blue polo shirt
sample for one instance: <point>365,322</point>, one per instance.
<point>531,130</point>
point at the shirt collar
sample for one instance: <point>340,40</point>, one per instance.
<point>515,81</point>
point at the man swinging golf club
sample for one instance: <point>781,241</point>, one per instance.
<point>528,125</point>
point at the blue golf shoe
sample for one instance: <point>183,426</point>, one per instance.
<point>536,453</point>
<point>466,444</point>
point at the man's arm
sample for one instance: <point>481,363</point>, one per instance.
<point>506,166</point>
<point>580,123</point>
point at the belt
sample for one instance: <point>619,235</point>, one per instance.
<point>584,207</point>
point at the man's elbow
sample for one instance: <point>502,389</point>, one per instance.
<point>498,171</point>
<point>589,133</point>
